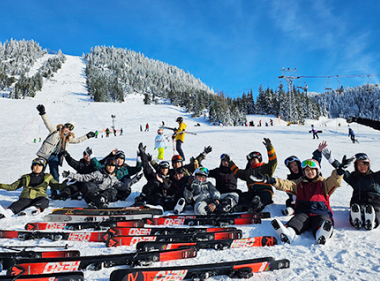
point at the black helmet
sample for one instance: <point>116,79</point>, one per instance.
<point>255,154</point>
<point>164,165</point>
<point>177,158</point>
<point>179,119</point>
<point>110,162</point>
<point>39,161</point>
<point>119,154</point>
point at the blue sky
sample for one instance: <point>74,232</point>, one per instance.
<point>232,46</point>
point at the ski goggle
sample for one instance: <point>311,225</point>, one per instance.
<point>224,156</point>
<point>119,154</point>
<point>39,161</point>
<point>111,163</point>
<point>202,171</point>
<point>177,158</point>
<point>291,159</point>
<point>69,126</point>
<point>164,164</point>
<point>310,164</point>
<point>253,155</point>
<point>361,156</point>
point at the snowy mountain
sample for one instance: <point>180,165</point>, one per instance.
<point>349,255</point>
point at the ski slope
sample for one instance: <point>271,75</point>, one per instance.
<point>349,255</point>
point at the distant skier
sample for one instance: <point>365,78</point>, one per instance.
<point>114,132</point>
<point>121,131</point>
<point>271,122</point>
<point>314,131</point>
<point>147,127</point>
<point>351,134</point>
<point>179,136</point>
<point>160,144</point>
<point>96,134</point>
<point>108,132</point>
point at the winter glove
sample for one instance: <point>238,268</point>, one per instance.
<point>41,109</point>
<point>351,119</point>
<point>165,147</point>
<point>328,155</point>
<point>142,148</point>
<point>267,142</point>
<point>207,149</point>
<point>189,187</point>
<point>263,178</point>
<point>65,174</point>
<point>212,206</point>
<point>90,135</point>
<point>89,152</point>
<point>346,162</point>
<point>149,157</point>
<point>173,136</point>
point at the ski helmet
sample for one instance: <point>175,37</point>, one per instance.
<point>119,154</point>
<point>177,158</point>
<point>164,165</point>
<point>311,163</point>
<point>179,119</point>
<point>290,160</point>
<point>201,171</point>
<point>160,131</point>
<point>39,161</point>
<point>110,162</point>
<point>362,157</point>
<point>255,154</point>
<point>70,125</point>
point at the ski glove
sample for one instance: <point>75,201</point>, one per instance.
<point>90,135</point>
<point>212,206</point>
<point>65,174</point>
<point>142,148</point>
<point>267,142</point>
<point>263,178</point>
<point>41,109</point>
<point>328,155</point>
<point>207,149</point>
<point>346,162</point>
<point>89,151</point>
<point>351,119</point>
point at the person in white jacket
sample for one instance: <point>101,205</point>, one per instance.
<point>57,141</point>
<point>160,144</point>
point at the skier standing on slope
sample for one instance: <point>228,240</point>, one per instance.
<point>57,141</point>
<point>351,134</point>
<point>294,166</point>
<point>259,194</point>
<point>160,144</point>
<point>179,136</point>
<point>313,209</point>
<point>33,198</point>
<point>365,200</point>
<point>314,131</point>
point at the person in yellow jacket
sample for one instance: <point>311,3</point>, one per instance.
<point>179,136</point>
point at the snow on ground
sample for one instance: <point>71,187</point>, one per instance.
<point>349,255</point>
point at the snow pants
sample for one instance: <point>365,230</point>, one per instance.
<point>178,147</point>
<point>53,162</point>
<point>90,191</point>
<point>264,194</point>
<point>161,151</point>
<point>303,222</point>
<point>23,203</point>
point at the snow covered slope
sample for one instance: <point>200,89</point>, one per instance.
<point>349,255</point>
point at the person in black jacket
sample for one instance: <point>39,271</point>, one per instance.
<point>83,166</point>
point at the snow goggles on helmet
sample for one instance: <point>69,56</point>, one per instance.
<point>361,156</point>
<point>224,157</point>
<point>119,154</point>
<point>39,161</point>
<point>254,155</point>
<point>160,131</point>
<point>111,162</point>
<point>69,126</point>
<point>177,158</point>
<point>310,163</point>
<point>164,164</point>
<point>201,171</point>
<point>291,159</point>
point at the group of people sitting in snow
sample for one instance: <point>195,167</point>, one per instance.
<point>109,180</point>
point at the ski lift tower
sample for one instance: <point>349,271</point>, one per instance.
<point>289,75</point>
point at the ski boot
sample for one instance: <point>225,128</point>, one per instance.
<point>5,213</point>
<point>356,216</point>
<point>324,232</point>
<point>286,234</point>
<point>180,206</point>
<point>287,211</point>
<point>255,206</point>
<point>31,211</point>
<point>369,217</point>
<point>225,205</point>
<point>139,201</point>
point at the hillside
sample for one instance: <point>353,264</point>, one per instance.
<point>350,255</point>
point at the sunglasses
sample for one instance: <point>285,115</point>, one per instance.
<point>310,164</point>
<point>291,159</point>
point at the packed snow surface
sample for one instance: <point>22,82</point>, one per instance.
<point>349,255</point>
